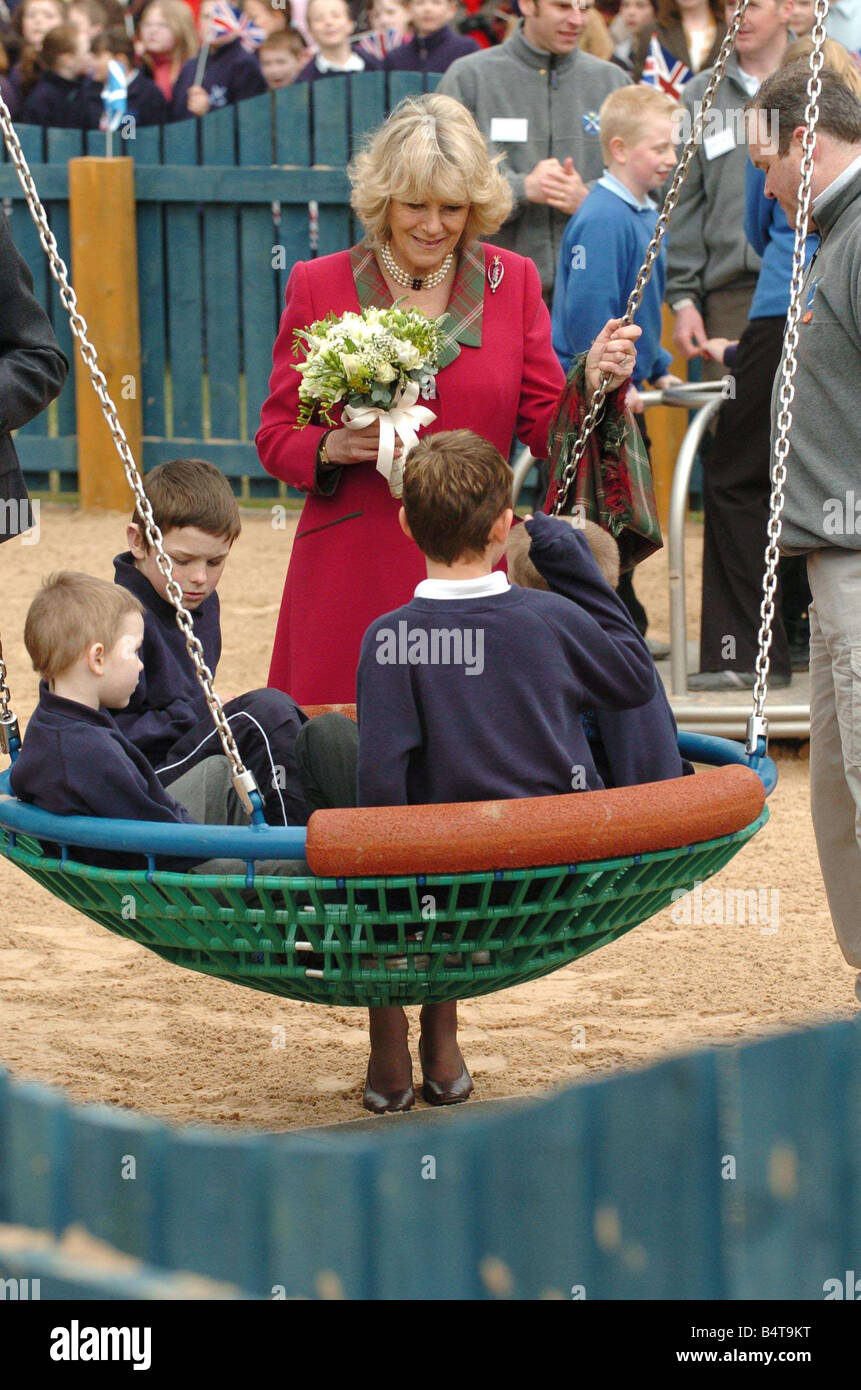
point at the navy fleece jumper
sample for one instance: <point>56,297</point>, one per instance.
<point>168,701</point>
<point>480,698</point>
<point>632,745</point>
<point>74,761</point>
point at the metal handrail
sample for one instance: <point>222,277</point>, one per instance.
<point>676,541</point>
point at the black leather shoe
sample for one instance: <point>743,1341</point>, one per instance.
<point>380,1103</point>
<point>451,1093</point>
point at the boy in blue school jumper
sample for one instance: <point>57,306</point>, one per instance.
<point>629,746</point>
<point>602,250</point>
<point>605,242</point>
<point>59,97</point>
<point>167,717</point>
<point>435,44</point>
<point>144,102</point>
<point>230,75</point>
<point>474,691</point>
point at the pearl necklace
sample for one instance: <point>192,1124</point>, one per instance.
<point>413,282</point>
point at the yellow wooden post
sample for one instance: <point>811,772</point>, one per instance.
<point>105,277</point>
<point>666,425</point>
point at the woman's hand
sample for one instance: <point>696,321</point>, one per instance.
<point>614,353</point>
<point>356,446</point>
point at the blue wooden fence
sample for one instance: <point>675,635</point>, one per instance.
<point>222,216</point>
<point>729,1174</point>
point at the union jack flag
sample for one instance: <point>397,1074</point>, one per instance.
<point>225,20</point>
<point>379,42</point>
<point>663,71</point>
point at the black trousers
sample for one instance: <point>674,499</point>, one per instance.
<point>265,725</point>
<point>736,489</point>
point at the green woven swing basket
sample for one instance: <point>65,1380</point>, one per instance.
<point>373,941</point>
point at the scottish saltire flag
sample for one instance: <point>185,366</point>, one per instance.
<point>380,42</point>
<point>115,95</point>
<point>663,71</point>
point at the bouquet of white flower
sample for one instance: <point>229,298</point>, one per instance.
<point>376,363</point>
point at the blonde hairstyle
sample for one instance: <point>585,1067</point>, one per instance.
<point>69,613</point>
<point>178,17</point>
<point>834,55</point>
<point>522,571</point>
<point>625,111</point>
<point>456,485</point>
<point>595,38</point>
<point>430,147</point>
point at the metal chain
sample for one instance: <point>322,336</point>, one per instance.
<point>243,780</point>
<point>757,726</point>
<point>596,405</point>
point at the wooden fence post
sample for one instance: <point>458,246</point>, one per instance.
<point>667,425</point>
<point>105,277</point>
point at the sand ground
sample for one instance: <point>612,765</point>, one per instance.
<point>107,1021</point>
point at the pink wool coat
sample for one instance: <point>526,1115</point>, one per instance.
<point>350,561</point>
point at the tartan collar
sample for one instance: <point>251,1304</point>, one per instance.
<point>465,305</point>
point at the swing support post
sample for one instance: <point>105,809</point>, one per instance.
<point>104,261</point>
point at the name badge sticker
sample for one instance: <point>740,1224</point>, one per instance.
<point>509,130</point>
<point>721,143</point>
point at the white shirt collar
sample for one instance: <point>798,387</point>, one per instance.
<point>608,180</point>
<point>353,64</point>
<point>482,587</point>
<point>836,184</point>
<point>749,81</point>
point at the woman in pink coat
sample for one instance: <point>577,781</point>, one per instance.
<point>425,189</point>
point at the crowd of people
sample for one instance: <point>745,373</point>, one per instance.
<point>517,201</point>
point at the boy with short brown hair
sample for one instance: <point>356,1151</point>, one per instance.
<point>474,667</point>
<point>167,717</point>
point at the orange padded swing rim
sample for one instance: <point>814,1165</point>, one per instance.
<point>479,836</point>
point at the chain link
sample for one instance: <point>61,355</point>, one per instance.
<point>596,405</point>
<point>758,724</point>
<point>243,780</point>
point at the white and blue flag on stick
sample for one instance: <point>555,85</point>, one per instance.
<point>115,95</point>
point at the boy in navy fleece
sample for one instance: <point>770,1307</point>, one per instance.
<point>447,684</point>
<point>475,689</point>
<point>435,44</point>
<point>629,746</point>
<point>84,637</point>
<point>230,74</point>
<point>167,717</point>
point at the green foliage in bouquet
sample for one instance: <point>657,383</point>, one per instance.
<point>364,359</point>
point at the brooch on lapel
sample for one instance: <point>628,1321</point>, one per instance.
<point>495,272</point>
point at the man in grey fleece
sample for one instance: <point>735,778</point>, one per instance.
<point>536,99</point>
<point>711,267</point>
<point>822,514</point>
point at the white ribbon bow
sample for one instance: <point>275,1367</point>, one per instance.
<point>403,419</point>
